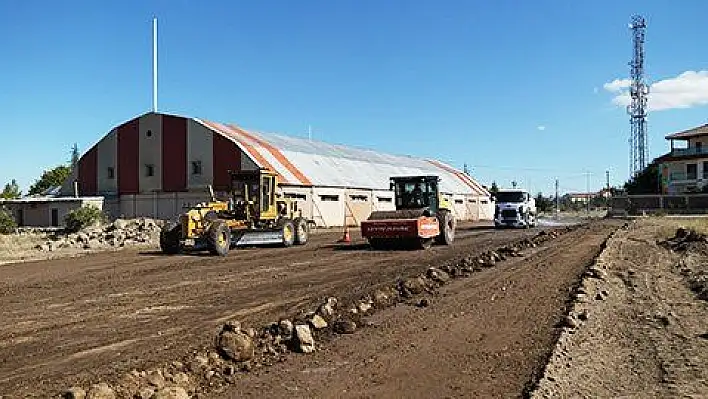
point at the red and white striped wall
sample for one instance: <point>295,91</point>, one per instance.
<point>158,152</point>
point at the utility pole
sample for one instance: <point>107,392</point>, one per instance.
<point>557,201</point>
<point>588,197</point>
<point>607,175</point>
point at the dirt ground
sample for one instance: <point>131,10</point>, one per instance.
<point>483,336</point>
<point>646,332</point>
<point>81,320</point>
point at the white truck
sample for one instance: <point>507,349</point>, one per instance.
<point>514,208</point>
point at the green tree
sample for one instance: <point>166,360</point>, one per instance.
<point>494,189</point>
<point>644,182</point>
<point>7,222</point>
<point>544,204</point>
<point>50,178</point>
<point>74,162</point>
<point>11,190</point>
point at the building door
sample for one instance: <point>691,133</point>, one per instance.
<point>20,217</point>
<point>55,217</point>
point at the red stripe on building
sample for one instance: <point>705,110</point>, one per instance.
<point>277,154</point>
<point>128,160</point>
<point>174,153</point>
<point>88,172</point>
<point>226,156</point>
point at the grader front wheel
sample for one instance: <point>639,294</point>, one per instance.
<point>219,238</point>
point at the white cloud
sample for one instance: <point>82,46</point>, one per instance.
<point>541,128</point>
<point>686,90</point>
<point>617,85</point>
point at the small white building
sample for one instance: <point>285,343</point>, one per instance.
<point>46,211</point>
<point>157,164</point>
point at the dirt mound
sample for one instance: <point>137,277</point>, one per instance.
<point>692,246</point>
<point>686,240</point>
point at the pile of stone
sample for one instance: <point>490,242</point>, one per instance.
<point>120,233</point>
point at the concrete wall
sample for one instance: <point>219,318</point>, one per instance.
<point>327,207</point>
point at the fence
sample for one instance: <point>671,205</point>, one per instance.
<point>678,204</point>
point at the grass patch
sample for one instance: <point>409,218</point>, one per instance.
<point>668,226</point>
<point>15,247</point>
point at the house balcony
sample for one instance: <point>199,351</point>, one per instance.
<point>687,152</point>
<point>684,177</point>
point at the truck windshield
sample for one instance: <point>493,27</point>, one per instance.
<point>510,197</point>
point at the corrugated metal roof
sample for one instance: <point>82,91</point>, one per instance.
<point>300,161</point>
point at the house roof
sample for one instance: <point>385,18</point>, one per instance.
<point>300,161</point>
<point>44,199</point>
<point>690,133</point>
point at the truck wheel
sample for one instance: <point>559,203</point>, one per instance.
<point>169,239</point>
<point>302,231</point>
<point>287,228</point>
<point>447,227</point>
<point>219,238</point>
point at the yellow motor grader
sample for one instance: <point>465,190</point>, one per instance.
<point>253,215</point>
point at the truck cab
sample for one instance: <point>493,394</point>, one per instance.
<point>514,208</point>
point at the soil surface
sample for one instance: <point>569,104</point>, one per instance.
<point>488,335</point>
<point>81,320</point>
<point>645,332</point>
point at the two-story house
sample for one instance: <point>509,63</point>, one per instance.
<point>685,168</point>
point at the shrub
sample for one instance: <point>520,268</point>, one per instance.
<point>85,216</point>
<point>7,222</point>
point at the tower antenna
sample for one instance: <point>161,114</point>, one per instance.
<point>638,91</point>
<point>154,65</point>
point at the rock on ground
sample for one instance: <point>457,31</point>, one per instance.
<point>101,391</point>
<point>236,345</point>
<point>171,393</point>
<point>304,340</point>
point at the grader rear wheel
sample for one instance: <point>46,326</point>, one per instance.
<point>302,232</point>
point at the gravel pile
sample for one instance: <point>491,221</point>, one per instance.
<point>118,234</point>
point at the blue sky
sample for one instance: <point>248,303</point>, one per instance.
<point>515,89</point>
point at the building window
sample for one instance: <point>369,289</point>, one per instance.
<point>384,199</point>
<point>148,133</point>
<point>485,201</point>
<point>691,171</point>
<point>459,201</point>
<point>196,167</point>
<point>149,170</point>
<point>358,198</point>
<point>110,172</point>
<point>705,169</point>
<point>296,196</point>
<point>472,201</point>
<point>329,198</point>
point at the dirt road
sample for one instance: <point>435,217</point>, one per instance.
<point>79,320</point>
<point>487,336</point>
